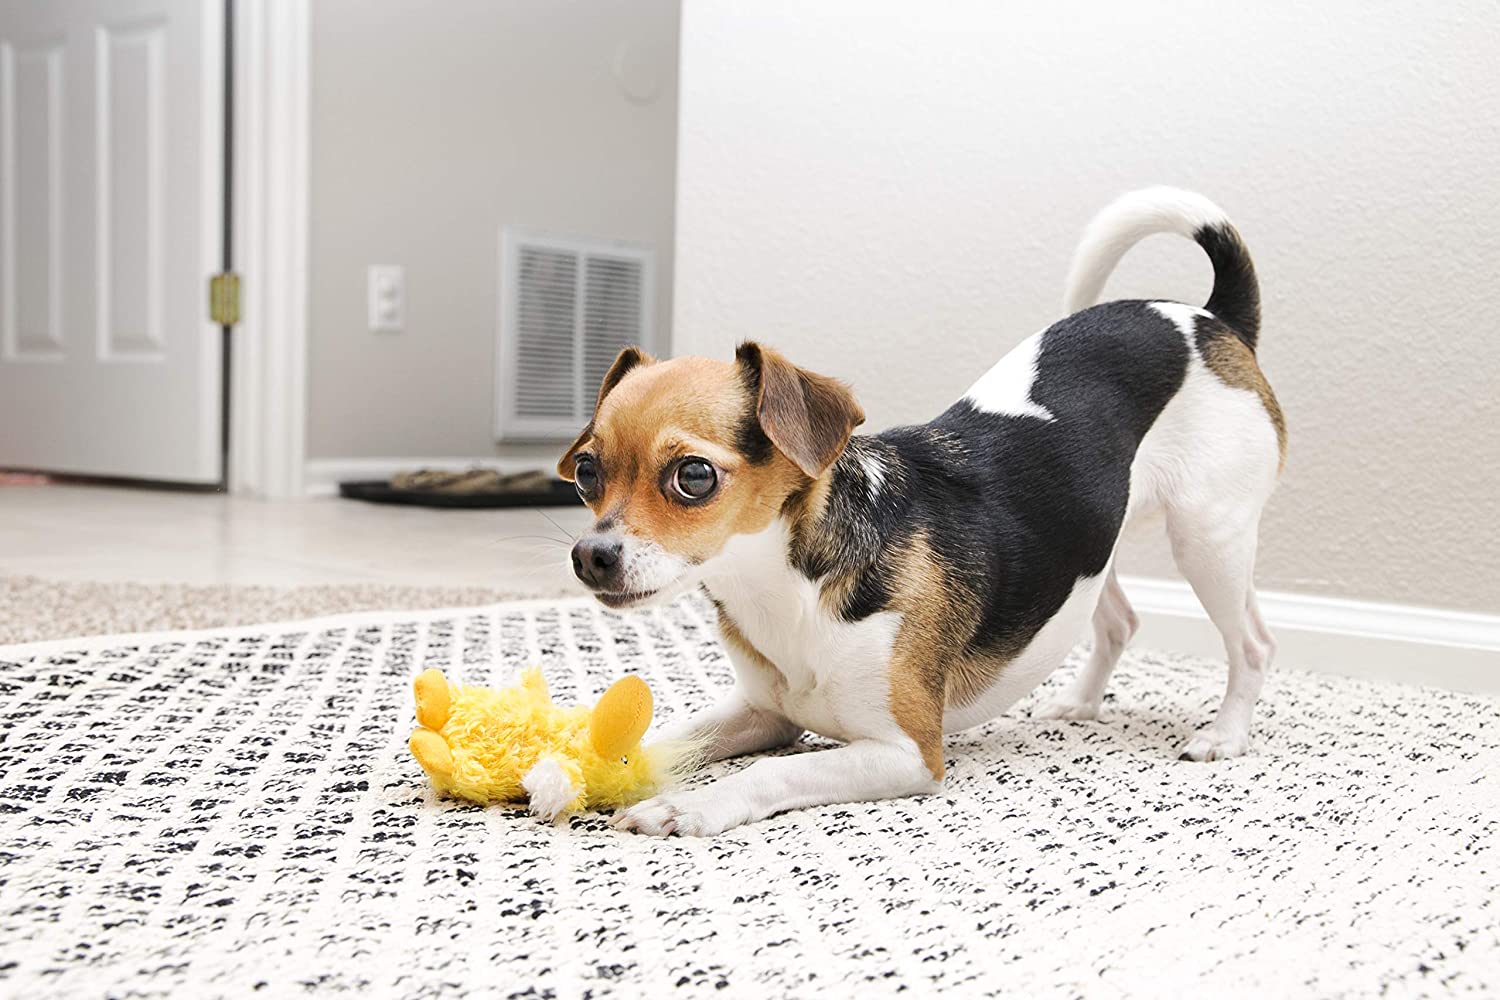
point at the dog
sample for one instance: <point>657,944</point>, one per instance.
<point>883,590</point>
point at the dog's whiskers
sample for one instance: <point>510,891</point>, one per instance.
<point>552,521</point>
<point>549,539</point>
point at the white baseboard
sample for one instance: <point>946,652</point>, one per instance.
<point>1413,645</point>
<point>321,476</point>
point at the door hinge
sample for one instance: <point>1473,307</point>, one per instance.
<point>224,298</point>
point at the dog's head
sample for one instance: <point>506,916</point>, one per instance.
<point>683,455</point>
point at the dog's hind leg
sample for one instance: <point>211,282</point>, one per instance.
<point>1114,623</point>
<point>1219,562</point>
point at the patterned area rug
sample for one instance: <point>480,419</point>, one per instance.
<point>220,813</point>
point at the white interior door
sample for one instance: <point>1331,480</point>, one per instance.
<point>111,152</point>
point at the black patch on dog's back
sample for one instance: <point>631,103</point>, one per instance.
<point>1016,508</point>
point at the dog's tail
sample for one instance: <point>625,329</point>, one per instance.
<point>1131,218</point>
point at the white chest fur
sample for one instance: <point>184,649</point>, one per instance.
<point>833,675</point>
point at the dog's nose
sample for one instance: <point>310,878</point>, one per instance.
<point>596,561</point>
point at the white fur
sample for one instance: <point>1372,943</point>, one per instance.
<point>1128,220</point>
<point>1183,316</point>
<point>1115,623</point>
<point>1006,388</point>
<point>548,789</point>
<point>651,569</point>
<point>831,676</point>
<point>874,472</point>
<point>859,772</point>
<point>1211,469</point>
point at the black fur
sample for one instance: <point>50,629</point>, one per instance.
<point>1236,295</point>
<point>750,439</point>
<point>1015,508</point>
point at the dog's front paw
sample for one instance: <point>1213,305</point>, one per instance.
<point>1209,743</point>
<point>688,814</point>
<point>1067,708</point>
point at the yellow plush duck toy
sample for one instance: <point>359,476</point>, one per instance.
<point>513,744</point>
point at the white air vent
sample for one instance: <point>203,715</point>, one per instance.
<point>567,307</point>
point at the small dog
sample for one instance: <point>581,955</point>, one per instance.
<point>884,590</point>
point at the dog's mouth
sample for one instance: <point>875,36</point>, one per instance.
<point>623,599</point>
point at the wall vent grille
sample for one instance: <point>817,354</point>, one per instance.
<point>567,307</point>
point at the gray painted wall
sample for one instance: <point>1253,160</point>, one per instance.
<point>432,125</point>
<point>892,195</point>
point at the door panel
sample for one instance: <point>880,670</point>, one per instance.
<point>111,139</point>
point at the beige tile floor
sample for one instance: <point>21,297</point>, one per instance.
<point>68,532</point>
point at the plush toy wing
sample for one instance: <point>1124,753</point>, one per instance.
<point>621,718</point>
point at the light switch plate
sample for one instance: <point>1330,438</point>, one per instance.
<point>387,298</point>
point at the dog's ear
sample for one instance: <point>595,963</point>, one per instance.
<point>628,359</point>
<point>807,416</point>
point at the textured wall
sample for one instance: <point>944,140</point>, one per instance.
<point>893,196</point>
<point>433,124</point>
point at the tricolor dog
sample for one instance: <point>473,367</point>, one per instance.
<point>882,590</point>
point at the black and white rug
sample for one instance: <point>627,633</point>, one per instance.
<point>234,811</point>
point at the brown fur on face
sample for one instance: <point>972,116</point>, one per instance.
<point>1232,360</point>
<point>651,414</point>
<point>629,358</point>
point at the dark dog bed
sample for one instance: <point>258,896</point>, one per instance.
<point>475,488</point>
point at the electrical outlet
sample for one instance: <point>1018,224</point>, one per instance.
<point>387,294</point>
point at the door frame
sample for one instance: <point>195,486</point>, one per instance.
<point>270,52</point>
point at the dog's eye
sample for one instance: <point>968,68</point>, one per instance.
<point>695,479</point>
<point>586,477</point>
